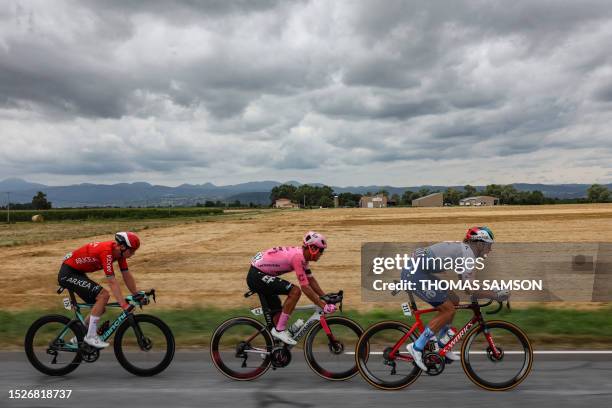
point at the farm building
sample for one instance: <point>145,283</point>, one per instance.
<point>479,201</point>
<point>284,203</point>
<point>431,200</point>
<point>377,201</point>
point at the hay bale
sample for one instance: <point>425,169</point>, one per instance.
<point>38,218</point>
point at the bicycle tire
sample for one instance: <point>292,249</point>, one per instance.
<point>309,355</point>
<point>216,355</point>
<point>124,361</point>
<point>488,385</point>
<point>363,349</point>
<point>29,344</point>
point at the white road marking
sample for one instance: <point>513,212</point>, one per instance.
<point>560,352</point>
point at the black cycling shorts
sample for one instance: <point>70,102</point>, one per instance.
<point>79,283</point>
<point>268,288</point>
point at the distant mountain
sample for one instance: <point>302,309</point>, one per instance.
<point>16,184</point>
<point>143,194</point>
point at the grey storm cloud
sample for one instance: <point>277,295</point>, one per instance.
<point>229,90</point>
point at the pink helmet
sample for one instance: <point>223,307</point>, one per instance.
<point>316,239</point>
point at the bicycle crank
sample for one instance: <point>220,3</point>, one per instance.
<point>281,357</point>
<point>89,353</point>
<point>434,362</point>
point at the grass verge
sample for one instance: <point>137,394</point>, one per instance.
<point>548,329</point>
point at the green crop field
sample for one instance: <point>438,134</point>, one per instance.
<point>112,213</point>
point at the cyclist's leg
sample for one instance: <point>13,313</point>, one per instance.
<point>271,287</point>
<point>454,299</point>
<point>436,298</point>
<point>88,290</point>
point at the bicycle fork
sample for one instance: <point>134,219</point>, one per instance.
<point>143,342</point>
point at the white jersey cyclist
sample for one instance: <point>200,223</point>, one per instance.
<point>434,259</point>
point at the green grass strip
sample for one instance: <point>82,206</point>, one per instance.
<point>549,328</point>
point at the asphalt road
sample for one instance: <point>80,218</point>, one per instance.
<point>192,381</point>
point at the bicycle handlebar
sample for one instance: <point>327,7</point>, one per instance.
<point>334,298</point>
<point>499,306</point>
<point>135,301</point>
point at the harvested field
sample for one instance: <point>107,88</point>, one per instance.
<point>204,263</point>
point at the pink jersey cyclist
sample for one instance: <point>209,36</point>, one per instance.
<point>279,260</point>
<point>263,279</point>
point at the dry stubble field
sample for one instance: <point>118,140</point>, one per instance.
<point>204,264</point>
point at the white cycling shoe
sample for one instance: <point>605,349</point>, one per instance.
<point>451,355</point>
<point>417,356</point>
<point>283,336</point>
<point>96,341</point>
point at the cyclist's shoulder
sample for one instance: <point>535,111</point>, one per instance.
<point>450,248</point>
<point>100,247</point>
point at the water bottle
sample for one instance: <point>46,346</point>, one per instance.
<point>296,326</point>
<point>432,345</point>
<point>450,333</point>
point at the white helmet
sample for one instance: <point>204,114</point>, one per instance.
<point>316,239</point>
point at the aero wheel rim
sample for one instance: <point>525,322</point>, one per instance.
<point>501,370</point>
<point>148,352</point>
<point>236,357</point>
<point>55,345</point>
<point>375,365</point>
<point>334,358</point>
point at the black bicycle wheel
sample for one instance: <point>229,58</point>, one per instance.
<point>52,344</point>
<point>374,363</point>
<point>333,360</point>
<point>499,372</point>
<point>146,347</point>
<point>240,348</point>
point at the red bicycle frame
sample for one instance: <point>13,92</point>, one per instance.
<point>476,319</point>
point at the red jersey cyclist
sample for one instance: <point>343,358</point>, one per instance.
<point>93,257</point>
<point>263,279</point>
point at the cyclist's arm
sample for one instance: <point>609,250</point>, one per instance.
<point>482,294</point>
<point>129,280</point>
<point>116,290</point>
<point>304,282</point>
<point>315,285</point>
<point>478,294</point>
<point>312,295</point>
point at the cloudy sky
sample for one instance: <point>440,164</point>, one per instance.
<point>344,92</point>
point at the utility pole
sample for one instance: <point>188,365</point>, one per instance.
<point>8,207</point>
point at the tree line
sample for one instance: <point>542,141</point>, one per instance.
<point>322,196</point>
<point>39,202</point>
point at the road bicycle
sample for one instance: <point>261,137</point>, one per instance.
<point>242,348</point>
<point>143,344</point>
<point>495,355</point>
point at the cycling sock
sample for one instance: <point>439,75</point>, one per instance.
<point>441,334</point>
<point>282,321</point>
<point>93,325</point>
<point>420,343</point>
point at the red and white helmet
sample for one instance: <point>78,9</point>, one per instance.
<point>316,239</point>
<point>483,234</point>
<point>129,239</point>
